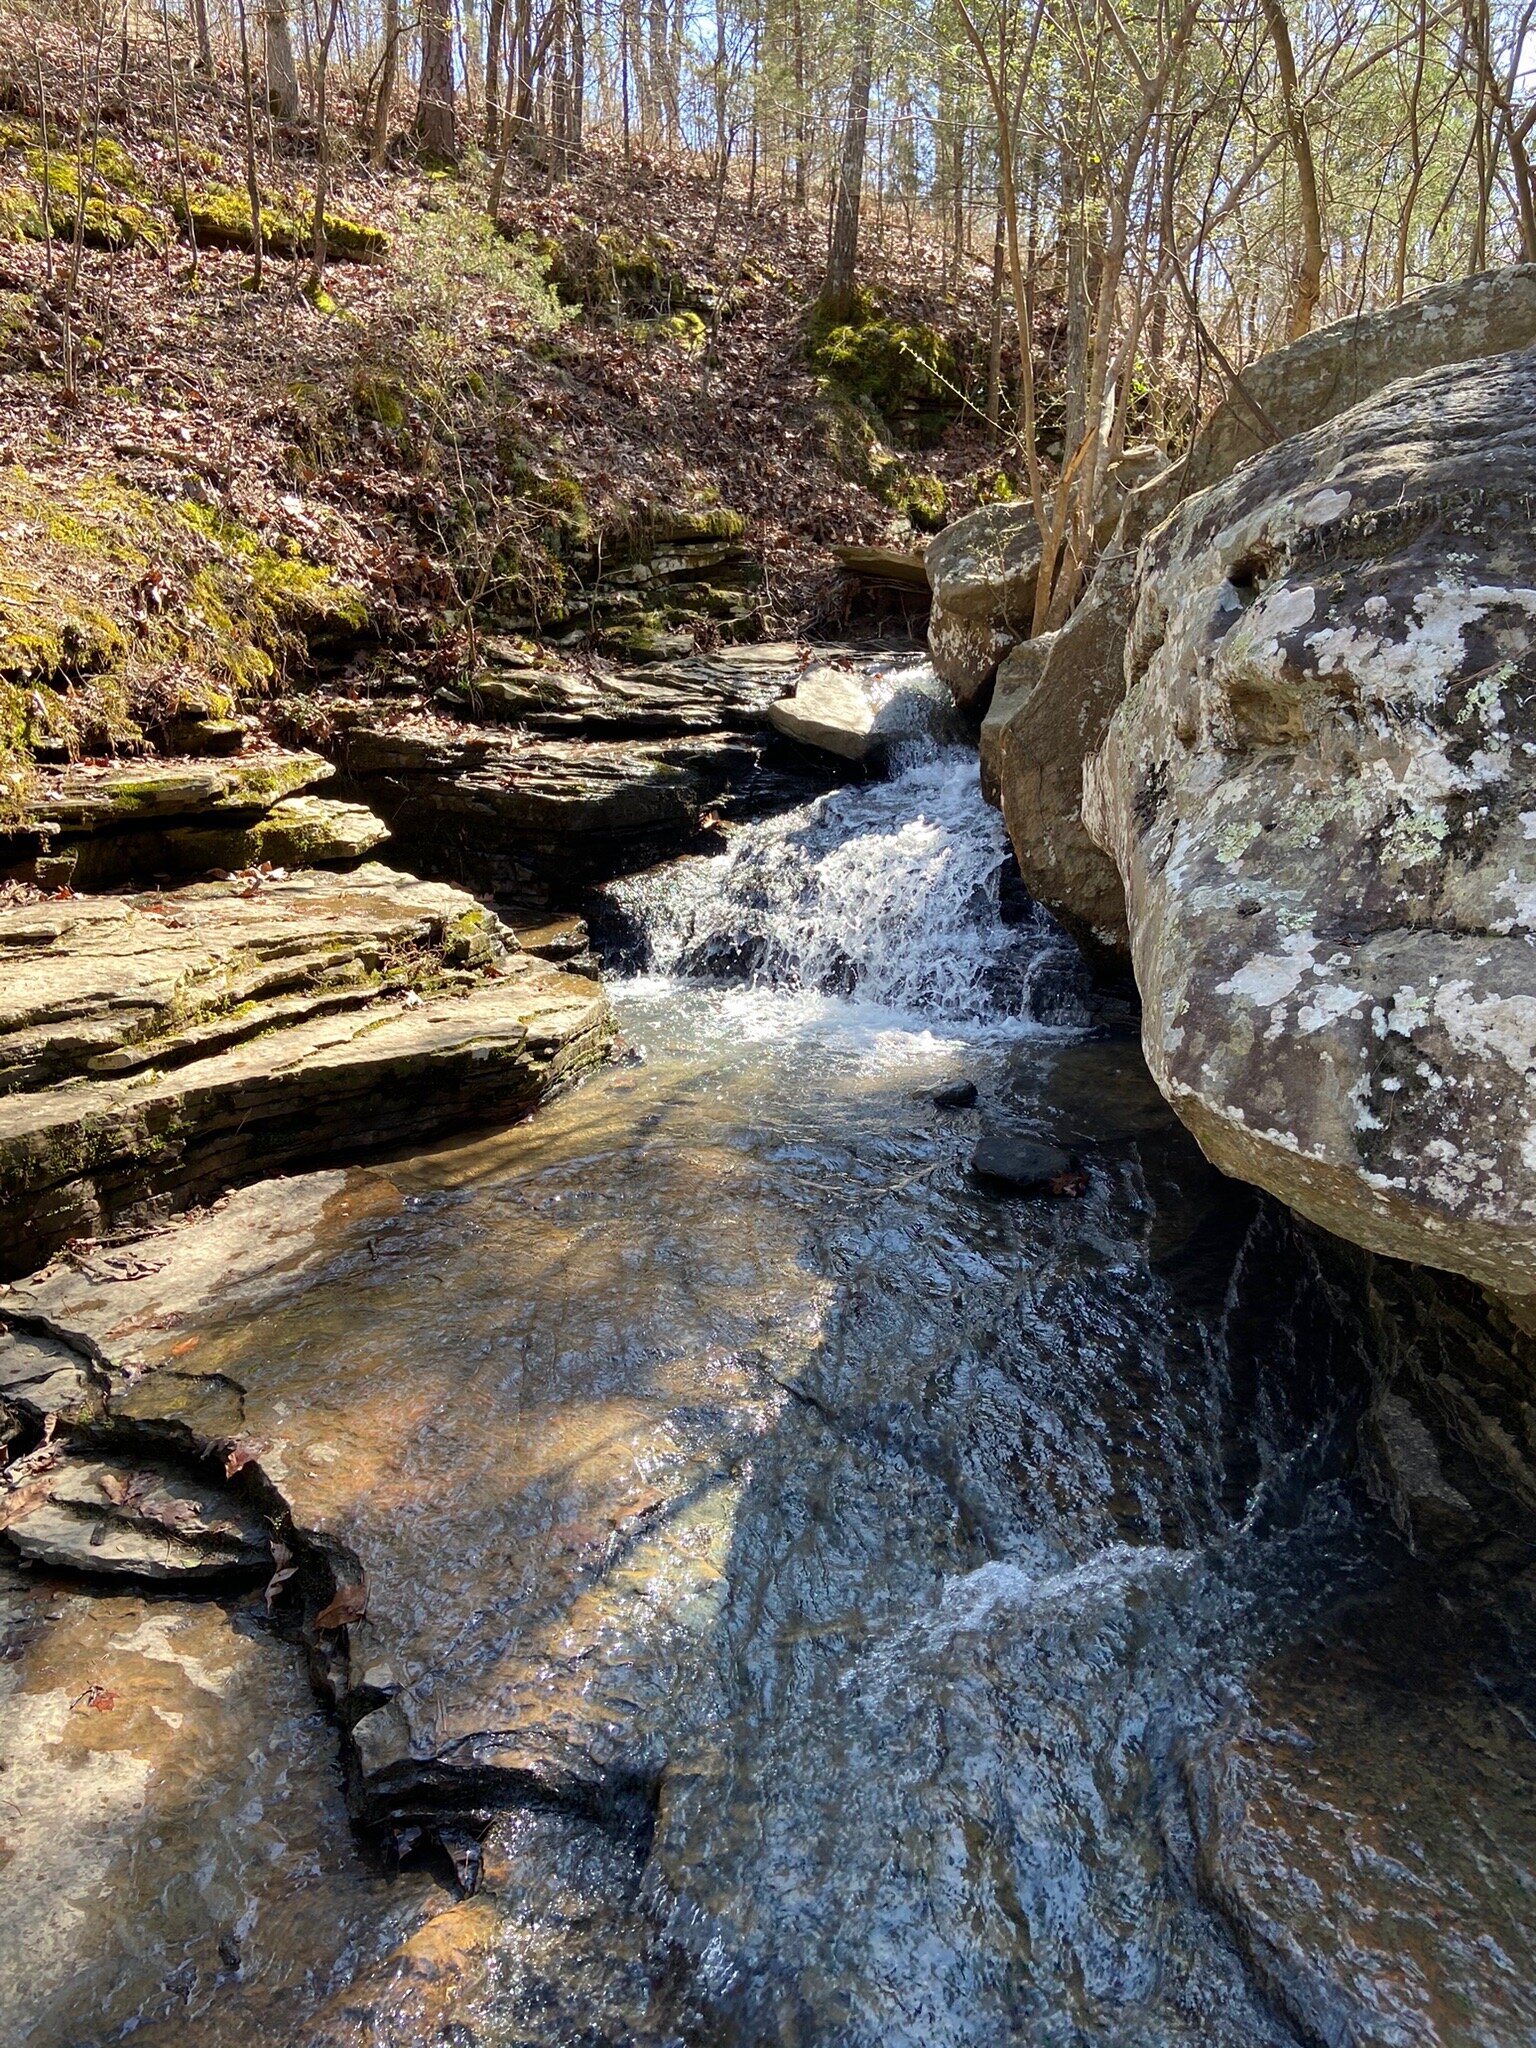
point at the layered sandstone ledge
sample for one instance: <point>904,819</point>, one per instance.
<point>159,1047</point>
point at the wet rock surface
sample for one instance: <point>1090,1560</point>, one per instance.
<point>1317,792</point>
<point>168,1045</point>
<point>790,1612</point>
<point>1019,1165</point>
<point>1367,1827</point>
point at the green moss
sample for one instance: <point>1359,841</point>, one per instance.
<point>610,273</point>
<point>906,372</point>
<point>921,497</point>
<point>378,395</point>
<point>683,330</point>
<point>221,219</point>
<point>120,613</point>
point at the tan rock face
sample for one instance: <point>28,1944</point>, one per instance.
<point>982,571</point>
<point>1321,793</point>
<point>1290,392</point>
<point>171,1045</point>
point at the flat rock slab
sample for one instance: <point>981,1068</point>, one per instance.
<point>542,1540</point>
<point>109,796</point>
<point>696,694</point>
<point>116,1518</point>
<point>831,711</point>
<point>169,1046</point>
<point>539,817</point>
<point>884,565</point>
<point>1024,1166</point>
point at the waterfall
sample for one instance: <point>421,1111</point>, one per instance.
<point>900,895</point>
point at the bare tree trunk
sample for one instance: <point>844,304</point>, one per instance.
<point>837,291</point>
<point>802,175</point>
<point>1307,288</point>
<point>282,73</point>
<point>436,127</point>
<point>252,188</point>
<point>995,340</point>
<point>495,33</point>
<point>322,151</point>
<point>578,75</point>
<point>204,39</point>
<point>384,110</point>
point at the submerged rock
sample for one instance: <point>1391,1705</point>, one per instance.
<point>955,1095</point>
<point>1320,793</point>
<point>1025,1166</point>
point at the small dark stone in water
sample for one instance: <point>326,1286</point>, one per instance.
<point>955,1095</point>
<point>1025,1166</point>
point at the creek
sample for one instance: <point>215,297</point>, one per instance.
<point>956,1619</point>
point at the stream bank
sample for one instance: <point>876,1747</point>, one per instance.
<point>795,1589</point>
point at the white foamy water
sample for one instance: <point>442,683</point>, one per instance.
<point>886,895</point>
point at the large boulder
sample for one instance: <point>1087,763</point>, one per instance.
<point>982,571</point>
<point>1320,792</point>
<point>1295,389</point>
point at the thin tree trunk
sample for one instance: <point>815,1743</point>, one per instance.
<point>436,126</point>
<point>252,188</point>
<point>802,174</point>
<point>282,73</point>
<point>384,111</point>
<point>1307,287</point>
<point>322,152</point>
<point>204,39</point>
<point>837,291</point>
<point>495,32</point>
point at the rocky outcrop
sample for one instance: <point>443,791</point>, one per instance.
<point>1295,389</point>
<point>982,571</point>
<point>1315,379</point>
<point>168,1046</point>
<point>96,825</point>
<point>1320,793</point>
<point>538,781</point>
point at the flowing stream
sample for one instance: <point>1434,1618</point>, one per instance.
<point>959,1608</point>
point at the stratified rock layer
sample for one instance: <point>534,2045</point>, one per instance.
<point>170,1045</point>
<point>543,781</point>
<point>1320,793</point>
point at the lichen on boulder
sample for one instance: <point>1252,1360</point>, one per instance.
<point>1319,792</point>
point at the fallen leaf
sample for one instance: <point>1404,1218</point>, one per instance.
<point>282,1557</point>
<point>95,1699</point>
<point>1073,1182</point>
<point>349,1605</point>
<point>243,1451</point>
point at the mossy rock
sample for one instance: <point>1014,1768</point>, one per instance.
<point>609,273</point>
<point>221,219</point>
<point>921,497</point>
<point>683,330</point>
<point>906,372</point>
<point>88,663</point>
